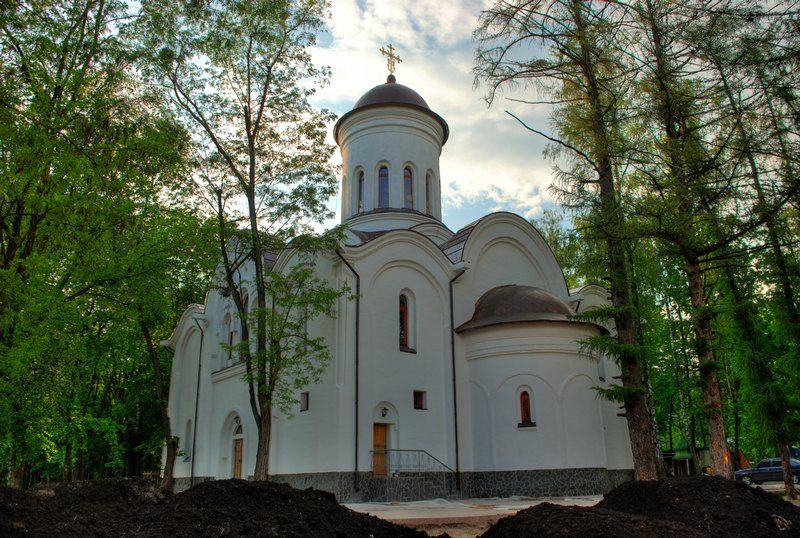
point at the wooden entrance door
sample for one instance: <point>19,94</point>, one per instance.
<point>238,446</point>
<point>379,446</point>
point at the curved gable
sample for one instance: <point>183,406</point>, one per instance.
<point>505,246</point>
<point>436,232</point>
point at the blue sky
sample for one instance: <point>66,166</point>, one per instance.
<point>490,162</point>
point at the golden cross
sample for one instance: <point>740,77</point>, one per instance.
<point>392,59</point>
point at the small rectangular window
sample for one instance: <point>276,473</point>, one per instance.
<point>420,399</point>
<point>304,401</point>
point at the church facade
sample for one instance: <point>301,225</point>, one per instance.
<point>457,370</point>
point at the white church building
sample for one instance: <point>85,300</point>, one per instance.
<point>457,370</point>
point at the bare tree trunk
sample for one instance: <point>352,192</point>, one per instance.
<point>638,411</point>
<point>786,465</point>
<point>67,471</point>
<point>16,473</point>
<point>709,381</point>
<point>167,482</point>
<point>264,436</point>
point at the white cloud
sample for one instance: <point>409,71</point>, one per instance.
<point>489,156</point>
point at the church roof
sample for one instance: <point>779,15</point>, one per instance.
<point>392,94</point>
<point>513,303</point>
<point>453,248</point>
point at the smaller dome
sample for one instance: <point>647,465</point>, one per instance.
<point>512,303</point>
<point>391,93</point>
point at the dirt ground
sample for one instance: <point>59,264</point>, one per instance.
<point>685,507</point>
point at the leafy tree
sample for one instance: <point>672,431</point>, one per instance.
<point>239,74</point>
<point>576,67</point>
<point>687,172</point>
<point>83,153</point>
<point>571,250</point>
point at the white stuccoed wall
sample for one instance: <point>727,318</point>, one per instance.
<point>397,262</point>
<point>543,358</point>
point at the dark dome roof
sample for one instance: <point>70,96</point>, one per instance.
<point>511,303</point>
<point>392,94</point>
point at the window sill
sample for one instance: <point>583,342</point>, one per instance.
<point>420,409</point>
<point>405,349</point>
<point>526,425</point>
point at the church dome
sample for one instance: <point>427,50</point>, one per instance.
<point>392,94</point>
<point>512,303</point>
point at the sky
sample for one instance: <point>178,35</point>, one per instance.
<point>490,162</point>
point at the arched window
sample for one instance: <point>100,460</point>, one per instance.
<point>245,315</point>
<point>187,441</point>
<point>408,188</point>
<point>231,354</point>
<point>383,186</point>
<point>407,332</point>
<point>360,189</point>
<point>525,416</point>
<point>227,344</point>
<point>403,321</point>
<point>428,194</point>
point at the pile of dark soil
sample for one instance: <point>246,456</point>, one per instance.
<point>555,520</point>
<point>712,505</point>
<point>685,506</point>
<point>121,507</point>
<point>237,507</point>
<point>93,507</point>
<point>680,507</point>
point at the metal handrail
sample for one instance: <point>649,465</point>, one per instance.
<point>431,456</point>
<point>400,463</point>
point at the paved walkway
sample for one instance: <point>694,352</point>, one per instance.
<point>438,508</point>
<point>460,518</point>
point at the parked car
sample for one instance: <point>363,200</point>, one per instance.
<point>768,470</point>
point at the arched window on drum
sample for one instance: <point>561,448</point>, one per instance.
<point>383,186</point>
<point>429,194</point>
<point>408,188</point>
<point>360,190</point>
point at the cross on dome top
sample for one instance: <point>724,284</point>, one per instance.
<point>392,60</point>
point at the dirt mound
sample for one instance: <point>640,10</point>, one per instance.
<point>712,505</point>
<point>554,520</point>
<point>121,507</point>
<point>93,507</point>
<point>239,507</point>
<point>685,506</point>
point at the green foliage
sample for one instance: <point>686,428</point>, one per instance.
<point>88,226</point>
<point>694,103</point>
<point>294,358</point>
<point>239,75</point>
